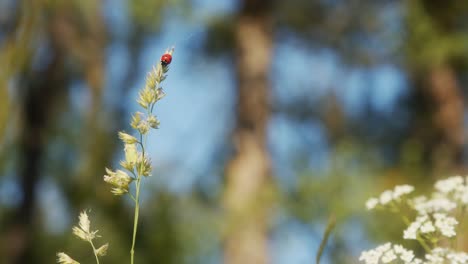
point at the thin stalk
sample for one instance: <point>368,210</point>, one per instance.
<point>423,243</point>
<point>135,219</point>
<point>418,237</point>
<point>330,225</point>
<point>94,251</point>
<point>137,204</point>
<point>136,198</point>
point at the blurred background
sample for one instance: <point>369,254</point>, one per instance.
<point>279,115</point>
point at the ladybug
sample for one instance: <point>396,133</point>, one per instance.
<point>166,59</point>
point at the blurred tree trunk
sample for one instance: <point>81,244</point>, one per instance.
<point>40,96</point>
<point>438,98</point>
<point>440,92</point>
<point>248,171</point>
<point>37,94</point>
<point>43,89</point>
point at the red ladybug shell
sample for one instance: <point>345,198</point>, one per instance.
<point>166,59</point>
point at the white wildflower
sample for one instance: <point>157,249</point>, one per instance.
<point>437,255</point>
<point>427,227</point>
<point>372,256</point>
<point>372,203</point>
<point>445,224</point>
<point>405,255</point>
<point>389,195</point>
<point>461,193</point>
<point>412,231</point>
<point>436,204</point>
<point>458,257</point>
<point>424,225</point>
<point>387,253</point>
<point>386,197</point>
<point>401,190</point>
<point>389,256</point>
<point>446,255</point>
<point>433,221</point>
<point>448,185</point>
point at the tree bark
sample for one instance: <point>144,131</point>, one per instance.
<point>248,171</point>
<point>40,96</point>
<point>447,117</point>
<point>438,99</point>
<point>42,91</point>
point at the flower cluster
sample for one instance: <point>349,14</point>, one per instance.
<point>387,253</point>
<point>389,195</point>
<point>84,232</point>
<point>428,225</point>
<point>446,255</point>
<point>436,204</point>
<point>434,222</point>
<point>454,187</point>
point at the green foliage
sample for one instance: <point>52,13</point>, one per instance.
<point>428,42</point>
